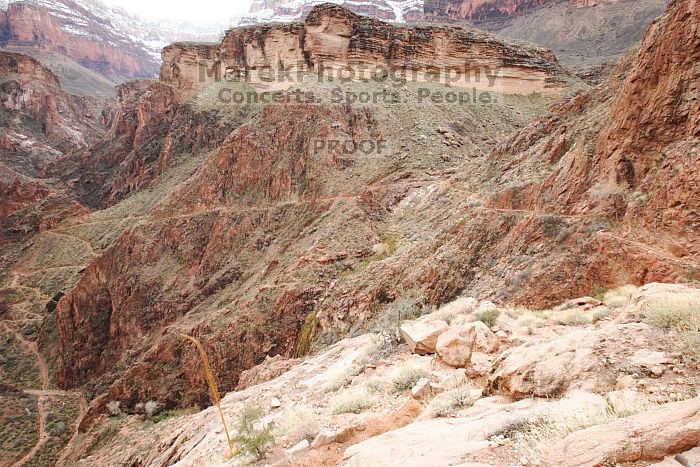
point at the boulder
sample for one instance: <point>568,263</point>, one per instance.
<point>461,306</point>
<point>486,340</point>
<point>456,344</point>
<point>422,336</point>
<point>651,435</point>
<point>545,370</point>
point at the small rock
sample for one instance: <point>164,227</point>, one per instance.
<point>421,389</point>
<point>298,448</point>
<point>275,403</point>
<point>323,438</point>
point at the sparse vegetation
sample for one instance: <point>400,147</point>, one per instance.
<point>537,435</point>
<point>407,376</point>
<point>599,291</point>
<point>253,441</point>
<point>352,400</point>
<point>411,305</point>
<point>450,401</point>
<point>298,423</point>
<point>114,408</point>
<point>680,315</point>
<point>619,297</point>
<point>151,408</point>
<point>488,316</point>
<point>573,317</point>
<point>601,314</point>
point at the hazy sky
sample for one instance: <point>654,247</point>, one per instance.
<point>214,11</point>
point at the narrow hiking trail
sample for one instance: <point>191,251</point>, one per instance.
<point>43,395</point>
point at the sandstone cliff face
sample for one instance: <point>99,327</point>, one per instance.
<point>333,39</point>
<point>92,44</point>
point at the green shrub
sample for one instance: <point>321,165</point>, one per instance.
<point>488,316</point>
<point>251,440</point>
<point>599,291</point>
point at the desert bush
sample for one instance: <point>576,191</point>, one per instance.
<point>251,440</point>
<point>600,314</point>
<point>488,316</point>
<point>599,291</point>
<point>352,400</point>
<point>151,408</point>
<point>386,326</point>
<point>407,376</point>
<point>375,385</point>
<point>678,314</point>
<point>619,297</point>
<point>299,423</point>
<point>573,317</point>
<point>450,401</point>
<point>673,312</point>
<point>114,408</point>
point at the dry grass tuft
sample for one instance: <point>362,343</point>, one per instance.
<point>450,401</point>
<point>573,317</point>
<point>537,436</point>
<point>352,400</point>
<point>407,376</point>
<point>298,423</point>
<point>680,315</point>
<point>619,297</point>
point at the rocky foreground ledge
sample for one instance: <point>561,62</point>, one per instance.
<point>589,383</point>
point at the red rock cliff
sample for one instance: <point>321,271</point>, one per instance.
<point>97,47</point>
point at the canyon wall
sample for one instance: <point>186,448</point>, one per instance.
<point>84,39</point>
<point>334,40</point>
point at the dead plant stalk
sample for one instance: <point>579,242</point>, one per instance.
<point>213,389</point>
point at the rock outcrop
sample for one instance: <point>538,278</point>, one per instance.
<point>335,41</point>
<point>648,436</point>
